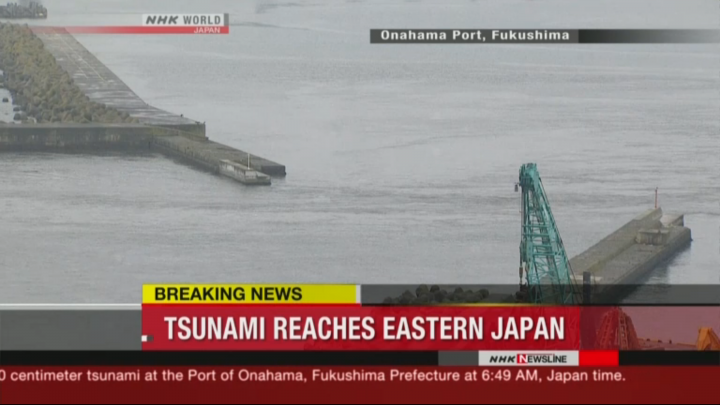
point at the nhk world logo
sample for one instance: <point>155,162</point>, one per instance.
<point>156,24</point>
<point>188,23</point>
<point>530,358</point>
<point>184,20</point>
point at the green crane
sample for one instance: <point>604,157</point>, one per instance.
<point>543,261</point>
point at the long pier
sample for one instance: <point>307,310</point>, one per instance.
<point>161,130</point>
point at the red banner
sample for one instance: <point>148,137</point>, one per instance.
<point>359,385</point>
<point>342,327</point>
<point>135,30</point>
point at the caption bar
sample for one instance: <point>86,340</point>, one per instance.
<point>353,384</point>
<point>541,36</point>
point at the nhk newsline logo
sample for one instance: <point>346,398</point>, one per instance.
<point>529,358</point>
<point>187,23</point>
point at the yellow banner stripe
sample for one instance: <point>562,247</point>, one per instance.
<point>250,294</point>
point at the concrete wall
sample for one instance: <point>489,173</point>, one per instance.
<point>191,146</point>
<point>39,137</point>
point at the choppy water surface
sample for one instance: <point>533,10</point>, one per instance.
<point>401,158</point>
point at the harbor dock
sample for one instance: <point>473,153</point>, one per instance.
<point>156,129</point>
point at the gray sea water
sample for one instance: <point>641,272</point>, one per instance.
<point>401,158</point>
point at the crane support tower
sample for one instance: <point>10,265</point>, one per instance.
<point>544,266</point>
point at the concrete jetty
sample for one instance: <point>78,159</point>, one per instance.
<point>627,255</point>
<point>160,130</point>
<point>209,155</point>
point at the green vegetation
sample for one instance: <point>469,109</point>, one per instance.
<point>434,295</point>
<point>41,88</point>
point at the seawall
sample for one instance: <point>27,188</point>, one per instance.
<point>71,137</point>
<point>191,148</point>
<point>187,138</point>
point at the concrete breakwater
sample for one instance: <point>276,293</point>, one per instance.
<point>110,115</point>
<point>208,154</point>
<point>615,264</point>
<point>191,147</point>
<point>629,254</point>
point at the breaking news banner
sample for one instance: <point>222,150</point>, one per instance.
<point>332,317</point>
<point>346,344</point>
<point>156,24</point>
<point>542,36</point>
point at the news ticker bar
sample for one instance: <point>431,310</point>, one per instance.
<point>332,384</point>
<point>543,36</point>
<point>362,358</point>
